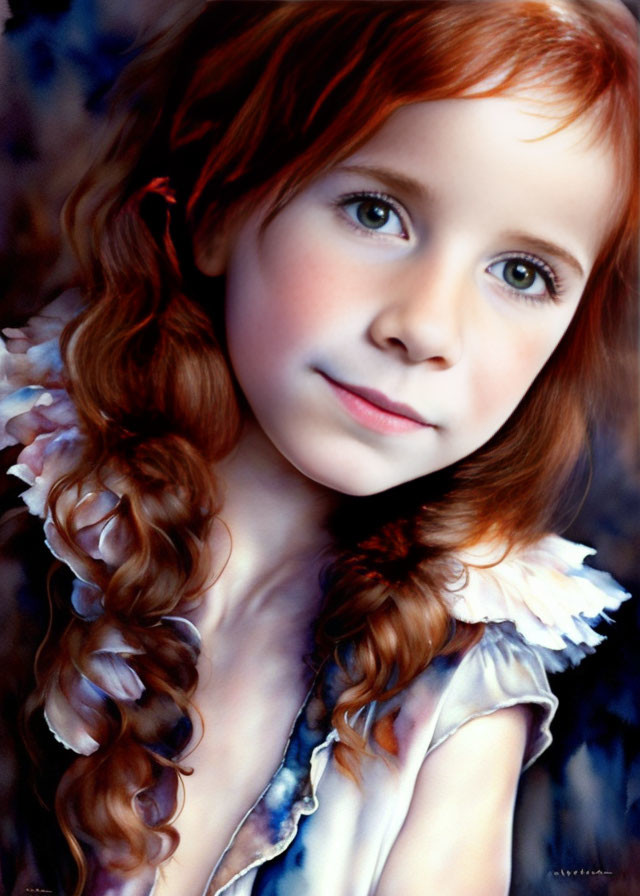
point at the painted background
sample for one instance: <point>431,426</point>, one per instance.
<point>578,813</point>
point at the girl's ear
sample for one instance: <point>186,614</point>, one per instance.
<point>210,252</point>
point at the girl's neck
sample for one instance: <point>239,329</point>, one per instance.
<point>270,532</point>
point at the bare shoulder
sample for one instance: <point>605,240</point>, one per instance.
<point>456,840</point>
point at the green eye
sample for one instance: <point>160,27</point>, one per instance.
<point>519,274</point>
<point>530,278</point>
<point>372,213</point>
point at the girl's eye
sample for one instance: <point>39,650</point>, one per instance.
<point>527,276</point>
<point>374,213</point>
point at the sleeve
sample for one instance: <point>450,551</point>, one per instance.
<point>501,670</point>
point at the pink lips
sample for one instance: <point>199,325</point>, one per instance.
<point>374,410</point>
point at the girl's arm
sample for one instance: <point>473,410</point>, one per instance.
<point>456,840</point>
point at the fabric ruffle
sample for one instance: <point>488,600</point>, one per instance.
<point>74,706</point>
<point>35,409</point>
<point>546,591</point>
<point>37,413</point>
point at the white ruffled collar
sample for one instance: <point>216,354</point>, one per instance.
<point>552,598</point>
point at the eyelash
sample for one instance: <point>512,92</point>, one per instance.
<point>549,276</point>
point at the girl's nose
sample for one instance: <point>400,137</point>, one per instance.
<point>422,318</point>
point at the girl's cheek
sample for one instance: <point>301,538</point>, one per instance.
<point>505,370</point>
<point>312,270</point>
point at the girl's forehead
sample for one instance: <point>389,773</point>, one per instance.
<point>529,114</point>
<point>471,131</point>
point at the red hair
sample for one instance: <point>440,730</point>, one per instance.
<point>246,102</point>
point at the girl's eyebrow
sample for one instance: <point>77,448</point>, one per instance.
<point>393,179</point>
<point>546,248</point>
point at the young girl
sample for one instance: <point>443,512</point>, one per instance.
<point>352,278</point>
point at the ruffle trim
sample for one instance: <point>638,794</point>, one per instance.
<point>546,591</point>
<point>37,412</point>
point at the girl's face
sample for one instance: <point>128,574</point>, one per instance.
<point>391,317</point>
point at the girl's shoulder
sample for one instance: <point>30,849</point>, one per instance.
<point>540,607</point>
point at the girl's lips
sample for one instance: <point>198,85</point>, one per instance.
<point>374,410</point>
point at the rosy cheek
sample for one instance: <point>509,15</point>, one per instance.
<point>308,271</point>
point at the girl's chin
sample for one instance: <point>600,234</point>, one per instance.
<point>360,481</point>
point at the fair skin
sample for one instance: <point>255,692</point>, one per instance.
<point>385,324</point>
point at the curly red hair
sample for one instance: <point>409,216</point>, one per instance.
<point>247,102</point>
